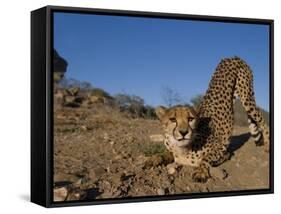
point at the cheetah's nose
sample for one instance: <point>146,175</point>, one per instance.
<point>183,132</point>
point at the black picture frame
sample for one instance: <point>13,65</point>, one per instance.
<point>42,103</point>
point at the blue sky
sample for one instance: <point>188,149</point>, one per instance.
<point>140,56</point>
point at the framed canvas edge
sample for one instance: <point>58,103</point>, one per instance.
<point>163,198</point>
<point>38,152</point>
<point>49,103</point>
<point>153,14</point>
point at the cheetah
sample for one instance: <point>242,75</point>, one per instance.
<point>200,137</point>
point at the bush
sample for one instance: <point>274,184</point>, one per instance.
<point>153,149</point>
<point>100,93</point>
<point>130,103</point>
<point>170,96</point>
<point>134,105</point>
<point>149,112</point>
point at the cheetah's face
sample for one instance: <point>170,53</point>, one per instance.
<point>179,124</point>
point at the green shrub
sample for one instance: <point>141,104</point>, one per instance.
<point>153,149</point>
<point>100,93</point>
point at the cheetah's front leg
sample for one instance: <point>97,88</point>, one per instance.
<point>201,173</point>
<point>217,155</point>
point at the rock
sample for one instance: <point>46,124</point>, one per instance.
<point>160,191</point>
<point>73,91</point>
<point>126,175</point>
<point>63,177</point>
<point>78,183</point>
<point>84,128</point>
<point>60,194</point>
<point>171,168</point>
<point>107,195</point>
<point>95,173</point>
<point>69,99</point>
<point>96,99</point>
<point>218,173</point>
<point>60,66</point>
<point>74,196</point>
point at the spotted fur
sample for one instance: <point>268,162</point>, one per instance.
<point>207,138</point>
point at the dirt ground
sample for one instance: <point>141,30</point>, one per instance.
<point>102,153</point>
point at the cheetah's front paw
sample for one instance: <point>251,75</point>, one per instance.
<point>201,174</point>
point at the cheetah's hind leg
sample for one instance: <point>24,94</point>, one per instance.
<point>258,127</point>
<point>225,157</point>
<point>255,132</point>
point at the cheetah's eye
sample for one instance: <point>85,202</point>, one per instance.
<point>173,119</point>
<point>190,119</point>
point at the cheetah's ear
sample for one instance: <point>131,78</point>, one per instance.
<point>160,111</point>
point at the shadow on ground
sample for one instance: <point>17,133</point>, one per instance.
<point>24,197</point>
<point>238,141</point>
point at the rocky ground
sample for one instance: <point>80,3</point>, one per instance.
<point>102,153</point>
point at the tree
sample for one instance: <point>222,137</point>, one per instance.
<point>170,96</point>
<point>196,100</point>
<point>69,83</point>
<point>130,103</point>
<point>122,100</point>
<point>149,112</point>
<point>86,86</point>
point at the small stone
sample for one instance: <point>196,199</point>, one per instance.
<point>74,196</point>
<point>219,173</point>
<point>60,194</point>
<point>156,138</point>
<point>73,91</point>
<point>95,173</point>
<point>84,128</point>
<point>171,178</point>
<point>171,169</point>
<point>160,191</point>
<point>69,99</point>
<point>105,136</point>
<point>107,195</point>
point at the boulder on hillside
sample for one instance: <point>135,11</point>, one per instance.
<point>60,66</point>
<point>72,98</point>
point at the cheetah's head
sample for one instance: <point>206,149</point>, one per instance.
<point>179,123</point>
